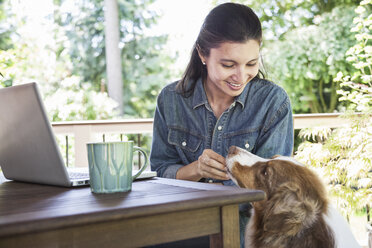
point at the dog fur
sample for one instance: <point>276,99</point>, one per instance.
<point>292,215</point>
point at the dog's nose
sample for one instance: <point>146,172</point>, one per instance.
<point>233,150</point>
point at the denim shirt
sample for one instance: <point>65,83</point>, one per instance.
<point>259,120</point>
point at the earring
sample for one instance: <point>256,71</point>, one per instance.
<point>203,62</point>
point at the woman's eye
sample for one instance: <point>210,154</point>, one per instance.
<point>227,66</point>
<point>252,64</point>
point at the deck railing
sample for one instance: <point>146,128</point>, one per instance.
<point>95,131</point>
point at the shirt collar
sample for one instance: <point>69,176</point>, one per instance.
<point>200,97</point>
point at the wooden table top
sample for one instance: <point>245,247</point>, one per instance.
<point>26,208</point>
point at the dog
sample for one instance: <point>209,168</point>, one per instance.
<point>295,212</point>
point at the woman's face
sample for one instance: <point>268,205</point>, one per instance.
<point>231,66</point>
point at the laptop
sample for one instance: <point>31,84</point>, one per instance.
<point>28,149</point>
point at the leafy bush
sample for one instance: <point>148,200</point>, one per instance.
<point>71,101</point>
<point>308,58</point>
<point>343,156</point>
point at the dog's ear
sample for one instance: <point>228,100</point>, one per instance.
<point>288,212</point>
<point>265,175</point>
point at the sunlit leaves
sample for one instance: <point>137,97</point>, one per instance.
<point>144,64</point>
<point>344,157</point>
<point>344,160</point>
<point>308,58</point>
<point>75,101</point>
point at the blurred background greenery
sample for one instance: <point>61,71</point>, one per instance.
<point>304,48</point>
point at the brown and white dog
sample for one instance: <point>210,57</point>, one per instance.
<point>295,212</point>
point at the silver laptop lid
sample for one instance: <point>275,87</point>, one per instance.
<point>28,150</point>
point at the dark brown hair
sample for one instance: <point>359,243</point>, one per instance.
<point>228,22</point>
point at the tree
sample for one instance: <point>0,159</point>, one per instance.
<point>113,58</point>
<point>280,16</point>
<point>308,58</point>
<point>304,47</point>
<point>144,63</point>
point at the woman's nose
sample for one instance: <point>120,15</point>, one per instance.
<point>239,75</point>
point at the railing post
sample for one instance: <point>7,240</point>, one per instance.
<point>83,135</point>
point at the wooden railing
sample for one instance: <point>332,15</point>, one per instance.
<point>93,131</point>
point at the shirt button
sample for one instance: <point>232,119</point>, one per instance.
<point>184,143</point>
<point>210,181</point>
<point>219,128</point>
<point>246,145</point>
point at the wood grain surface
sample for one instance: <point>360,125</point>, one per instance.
<point>155,211</point>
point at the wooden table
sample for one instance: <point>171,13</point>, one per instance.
<point>155,211</point>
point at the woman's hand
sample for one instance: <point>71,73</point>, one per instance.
<point>211,165</point>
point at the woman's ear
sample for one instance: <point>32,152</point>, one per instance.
<point>202,58</point>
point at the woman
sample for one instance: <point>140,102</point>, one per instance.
<point>220,101</point>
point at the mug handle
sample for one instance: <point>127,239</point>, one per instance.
<point>139,149</point>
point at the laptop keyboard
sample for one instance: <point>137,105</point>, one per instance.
<point>78,175</point>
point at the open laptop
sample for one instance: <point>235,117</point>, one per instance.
<point>28,149</point>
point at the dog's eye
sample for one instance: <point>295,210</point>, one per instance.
<point>264,171</point>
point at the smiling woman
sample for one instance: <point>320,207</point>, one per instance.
<point>220,101</point>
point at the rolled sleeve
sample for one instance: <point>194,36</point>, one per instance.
<point>278,137</point>
<point>163,157</point>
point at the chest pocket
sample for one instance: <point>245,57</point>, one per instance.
<point>246,141</point>
<point>184,140</point>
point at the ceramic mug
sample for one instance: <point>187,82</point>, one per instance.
<point>110,166</point>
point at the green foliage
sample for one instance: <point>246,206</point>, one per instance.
<point>66,97</point>
<point>22,63</point>
<point>344,155</point>
<point>5,43</point>
<point>344,160</point>
<point>356,89</point>
<point>6,61</point>
<point>304,48</point>
<point>308,59</point>
<point>144,76</point>
<point>143,62</point>
<point>6,29</point>
<point>280,16</point>
<point>79,35</point>
<point>73,101</point>
<point>70,69</point>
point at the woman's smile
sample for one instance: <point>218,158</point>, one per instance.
<point>234,86</point>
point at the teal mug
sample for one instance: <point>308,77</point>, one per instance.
<point>110,166</point>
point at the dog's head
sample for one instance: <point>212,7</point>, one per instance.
<point>291,189</point>
<point>250,171</point>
